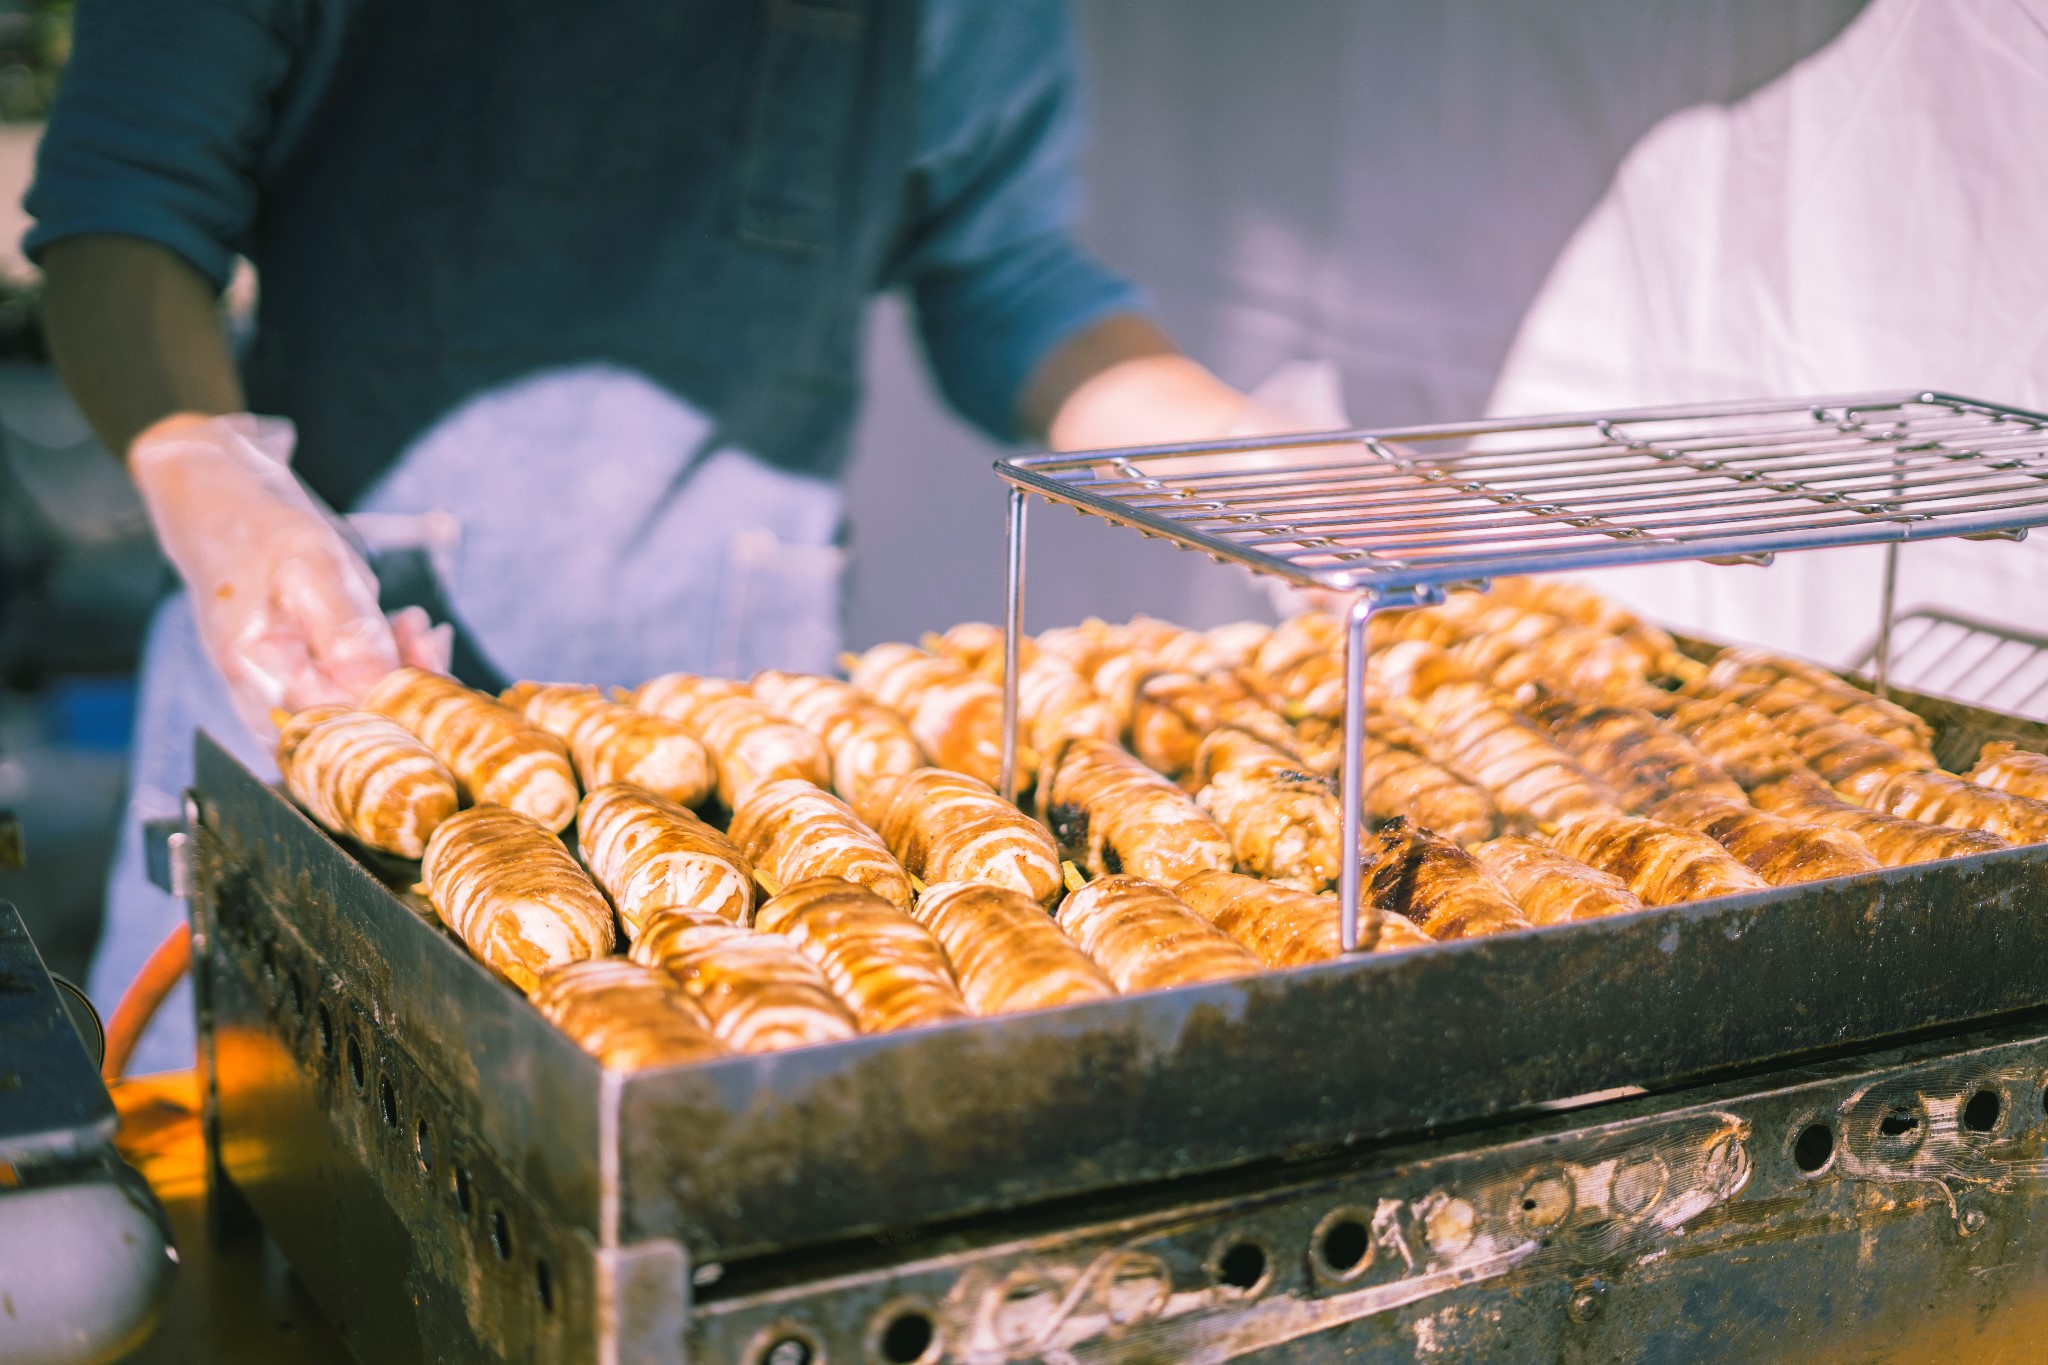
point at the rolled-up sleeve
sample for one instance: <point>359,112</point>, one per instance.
<point>995,274</point>
<point>159,126</point>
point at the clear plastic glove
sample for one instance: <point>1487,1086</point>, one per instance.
<point>285,607</point>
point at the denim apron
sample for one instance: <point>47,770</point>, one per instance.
<point>572,291</point>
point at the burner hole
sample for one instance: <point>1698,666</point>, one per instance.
<point>1242,1266</point>
<point>387,1102</point>
<point>1814,1148</point>
<point>1898,1122</point>
<point>323,1024</point>
<point>1980,1112</point>
<point>501,1235</point>
<point>544,1286</point>
<point>908,1337</point>
<point>423,1143</point>
<point>788,1351</point>
<point>355,1064</point>
<point>464,1198</point>
<point>1346,1241</point>
<point>297,994</point>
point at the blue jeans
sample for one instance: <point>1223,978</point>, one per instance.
<point>604,537</point>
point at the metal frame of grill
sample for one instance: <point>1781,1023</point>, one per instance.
<point>1395,517</point>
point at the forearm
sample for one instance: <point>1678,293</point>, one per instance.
<point>136,334</point>
<point>1123,382</point>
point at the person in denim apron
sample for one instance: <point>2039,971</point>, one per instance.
<point>580,284</point>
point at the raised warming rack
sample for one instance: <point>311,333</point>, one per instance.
<point>1394,517</point>
<point>1960,657</point>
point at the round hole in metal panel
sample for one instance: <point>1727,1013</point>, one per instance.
<point>1981,1111</point>
<point>387,1102</point>
<point>544,1286</point>
<point>1814,1148</point>
<point>355,1064</point>
<point>323,1027</point>
<point>1242,1266</point>
<point>785,1343</point>
<point>1341,1245</point>
<point>907,1336</point>
<point>501,1235</point>
<point>465,1197</point>
<point>423,1146</point>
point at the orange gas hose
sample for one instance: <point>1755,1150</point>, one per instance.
<point>165,967</point>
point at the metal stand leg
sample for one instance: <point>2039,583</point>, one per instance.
<point>1350,889</point>
<point>1013,640</point>
<point>1883,663</point>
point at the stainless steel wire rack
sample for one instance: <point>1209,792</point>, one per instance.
<point>1394,517</point>
<point>1982,663</point>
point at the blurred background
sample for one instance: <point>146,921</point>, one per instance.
<point>1407,192</point>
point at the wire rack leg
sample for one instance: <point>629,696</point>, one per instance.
<point>1013,639</point>
<point>1357,936</point>
<point>1882,665</point>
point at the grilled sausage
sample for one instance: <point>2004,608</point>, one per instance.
<point>868,742</point>
<point>759,992</point>
<point>1537,651</point>
<point>1742,743</point>
<point>361,774</point>
<point>1662,864</point>
<point>1534,782</point>
<point>750,741</point>
<point>1114,815</point>
<point>1940,799</point>
<point>1301,665</point>
<point>1550,887</point>
<point>978,647</point>
<point>1399,781</point>
<point>1172,713</point>
<point>1658,652</point>
<point>1282,819</point>
<point>956,716</point>
<point>1008,954</point>
<point>1410,671</point>
<point>509,890</point>
<point>885,966</point>
<point>1874,715</point>
<point>793,832</point>
<point>650,854</point>
<point>614,743</point>
<point>1430,880</point>
<point>1147,940</point>
<point>1850,760</point>
<point>1892,839</point>
<point>627,1016</point>
<point>1285,927</point>
<point>1784,852</point>
<point>2009,768</point>
<point>947,827</point>
<point>1056,703</point>
<point>1641,758</point>
<point>498,758</point>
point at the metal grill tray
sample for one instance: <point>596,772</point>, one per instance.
<point>747,1155</point>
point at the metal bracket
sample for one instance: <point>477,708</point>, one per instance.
<point>166,854</point>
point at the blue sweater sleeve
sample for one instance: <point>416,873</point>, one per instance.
<point>995,274</point>
<point>159,127</point>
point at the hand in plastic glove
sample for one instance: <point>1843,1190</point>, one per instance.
<point>285,608</point>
